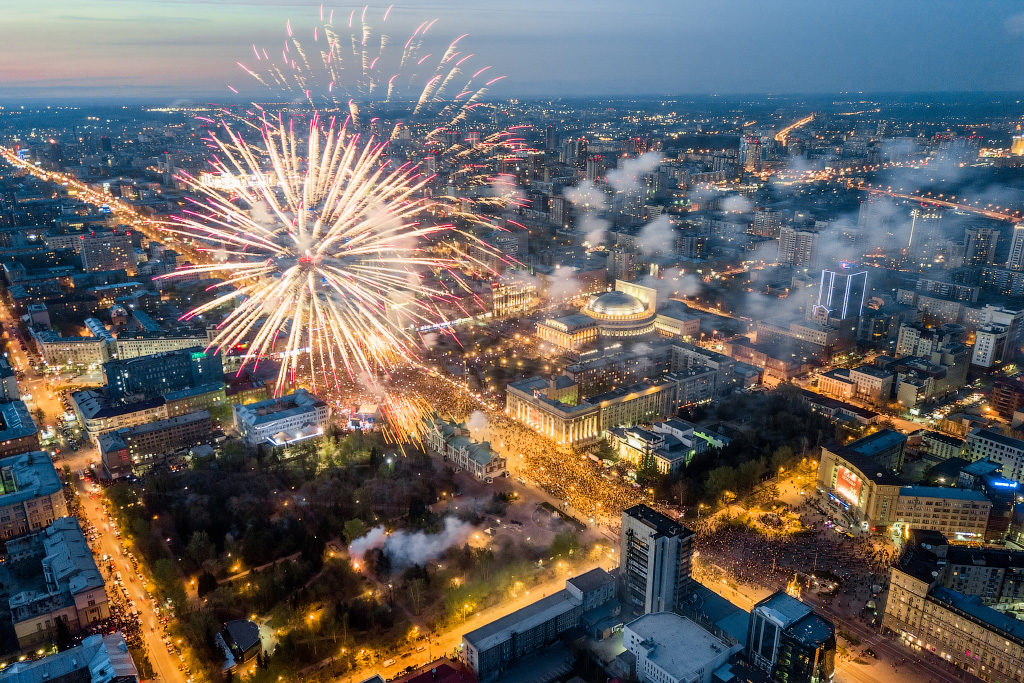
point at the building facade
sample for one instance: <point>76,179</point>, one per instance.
<point>655,557</point>
<point>284,420</point>
<point>72,590</point>
<point>31,494</point>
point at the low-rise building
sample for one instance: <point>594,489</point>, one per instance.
<point>8,382</point>
<point>31,494</point>
<point>837,383</point>
<point>585,422</point>
<point>135,449</point>
<point>284,420</point>
<point>670,648</point>
<point>98,415</point>
<point>1005,451</point>
<point>941,446</point>
<point>872,384</point>
<point>18,433</point>
<point>452,441</point>
<point>788,641</point>
<point>492,648</point>
<point>98,659</point>
<point>150,343</point>
<point>669,445</point>
<point>58,351</point>
<point>52,576</point>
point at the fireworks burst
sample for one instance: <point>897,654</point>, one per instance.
<point>347,64</point>
<point>342,267</point>
<point>336,243</point>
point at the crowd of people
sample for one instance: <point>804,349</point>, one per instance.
<point>853,565</point>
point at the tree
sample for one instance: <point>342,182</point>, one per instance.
<point>63,636</point>
<point>720,480</point>
<point>417,594</point>
<point>207,584</point>
<point>564,544</point>
<point>354,528</point>
<point>680,491</point>
<point>200,548</point>
<point>648,470</point>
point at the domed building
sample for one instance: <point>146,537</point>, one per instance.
<point>620,314</point>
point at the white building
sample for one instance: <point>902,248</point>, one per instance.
<point>282,421</point>
<point>989,345</point>
<point>673,649</point>
<point>871,383</point>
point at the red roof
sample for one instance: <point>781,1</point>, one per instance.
<point>439,671</point>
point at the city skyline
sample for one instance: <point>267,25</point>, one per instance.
<point>164,51</point>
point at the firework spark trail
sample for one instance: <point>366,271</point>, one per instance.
<point>370,66</point>
<point>345,268</point>
<point>336,275</point>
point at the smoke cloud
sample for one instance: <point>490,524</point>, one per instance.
<point>406,548</point>
<point>627,176</point>
<point>736,203</point>
<point>478,426</point>
<point>657,237</point>
<point>589,201</point>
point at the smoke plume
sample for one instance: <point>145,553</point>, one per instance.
<point>406,548</point>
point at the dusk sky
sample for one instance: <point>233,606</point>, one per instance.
<point>165,50</point>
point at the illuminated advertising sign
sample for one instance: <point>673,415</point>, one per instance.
<point>848,484</point>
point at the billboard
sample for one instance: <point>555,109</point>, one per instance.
<point>848,485</point>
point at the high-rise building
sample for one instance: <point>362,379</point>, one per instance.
<point>767,222</point>
<point>1015,261</point>
<point>980,246</point>
<point>550,139</point>
<point>790,642</point>
<point>797,247</point>
<point>924,223</point>
<point>655,557</point>
<point>161,373</point>
<point>841,293</point>
<point>622,264</point>
<point>989,345</point>
<point>108,251</point>
<point>750,153</point>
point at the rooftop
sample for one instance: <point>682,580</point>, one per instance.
<point>298,403</point>
<point>876,443</point>
<point>812,630</point>
<point>570,323</point>
<point>67,565</point>
<point>678,645</point>
<point>616,304</point>
<point>659,523</point>
<point>592,580</point>
<point>784,608</point>
<point>942,492</point>
<point>15,421</point>
<point>971,606</point>
<point>106,657</point>
<point>32,475</point>
<point>943,438</point>
<point>871,370</point>
<point>534,614</point>
<point>992,435</point>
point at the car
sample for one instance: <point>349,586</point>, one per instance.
<point>388,662</point>
<point>870,653</point>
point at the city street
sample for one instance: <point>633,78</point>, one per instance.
<point>166,665</point>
